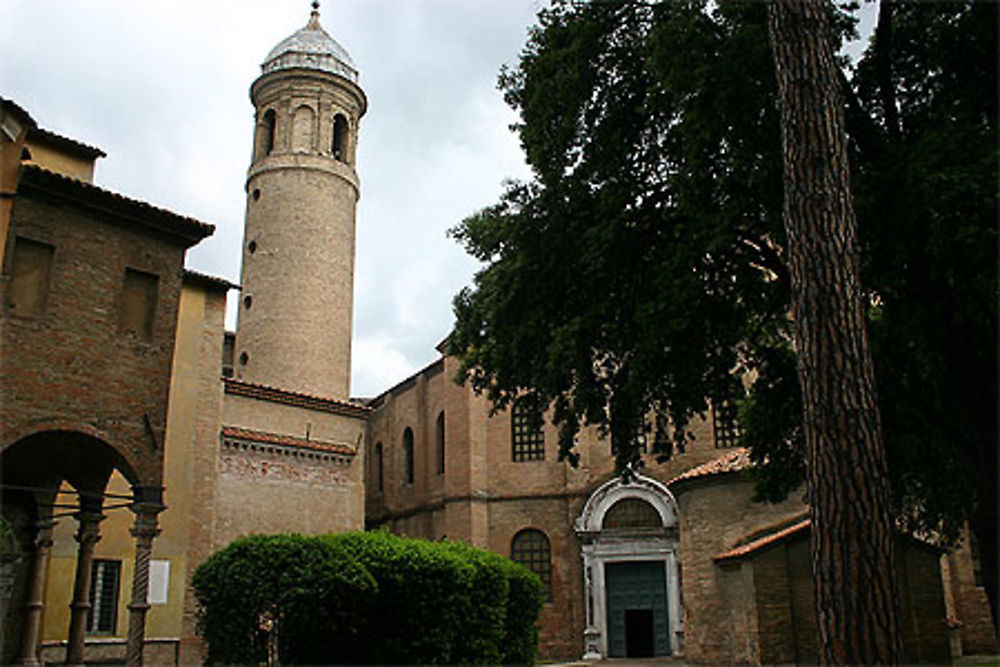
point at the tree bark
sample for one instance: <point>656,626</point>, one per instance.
<point>854,583</point>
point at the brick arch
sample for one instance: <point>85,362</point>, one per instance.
<point>74,437</point>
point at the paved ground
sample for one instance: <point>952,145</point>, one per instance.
<point>976,660</point>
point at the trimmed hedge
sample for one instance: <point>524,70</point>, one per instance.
<point>372,598</point>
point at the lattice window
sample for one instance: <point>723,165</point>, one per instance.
<point>632,513</point>
<point>527,438</point>
<point>102,616</point>
<point>724,425</point>
<point>531,549</point>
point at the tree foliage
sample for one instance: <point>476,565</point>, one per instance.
<point>366,598</point>
<point>642,268</point>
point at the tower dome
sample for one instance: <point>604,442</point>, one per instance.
<point>311,48</point>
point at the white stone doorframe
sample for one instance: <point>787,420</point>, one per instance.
<point>600,547</point>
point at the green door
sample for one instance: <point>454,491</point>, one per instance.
<point>637,609</point>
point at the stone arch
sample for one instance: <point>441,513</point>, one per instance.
<point>341,136</point>
<point>650,548</point>
<point>303,122</point>
<point>266,130</point>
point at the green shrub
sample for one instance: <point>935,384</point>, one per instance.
<point>313,589</point>
<point>371,598</point>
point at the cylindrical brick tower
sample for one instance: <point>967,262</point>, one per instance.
<point>295,311</point>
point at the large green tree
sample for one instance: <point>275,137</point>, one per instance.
<point>644,265</point>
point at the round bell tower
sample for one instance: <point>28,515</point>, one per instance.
<point>296,305</point>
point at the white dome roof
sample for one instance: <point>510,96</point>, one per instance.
<point>311,48</point>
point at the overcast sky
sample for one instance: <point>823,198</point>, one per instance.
<point>163,89</point>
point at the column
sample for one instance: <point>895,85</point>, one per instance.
<point>146,508</point>
<point>88,535</point>
<point>35,602</point>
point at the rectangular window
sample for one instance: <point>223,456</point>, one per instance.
<point>139,303</point>
<point>527,438</point>
<point>725,426</point>
<point>30,273</point>
<point>105,576</point>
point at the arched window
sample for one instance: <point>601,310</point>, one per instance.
<point>339,147</point>
<point>378,467</point>
<point>632,513</point>
<point>531,549</point>
<point>270,121</point>
<point>302,129</point>
<point>408,453</point>
<point>439,432</point>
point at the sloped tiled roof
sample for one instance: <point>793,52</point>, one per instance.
<point>48,138</point>
<point>763,542</point>
<point>275,395</point>
<point>264,437</point>
<point>734,460</point>
<point>40,181</point>
<point>212,282</point>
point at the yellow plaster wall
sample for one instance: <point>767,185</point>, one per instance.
<point>49,158</point>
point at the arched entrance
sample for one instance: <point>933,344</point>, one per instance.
<point>629,546</point>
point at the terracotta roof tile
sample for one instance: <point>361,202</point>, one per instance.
<point>762,542</point>
<point>209,281</point>
<point>732,461</point>
<point>49,138</point>
<point>286,440</point>
<point>34,178</point>
<point>275,395</point>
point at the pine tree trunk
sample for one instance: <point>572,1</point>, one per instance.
<point>855,588</point>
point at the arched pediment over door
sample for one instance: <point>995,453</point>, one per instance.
<point>628,535</point>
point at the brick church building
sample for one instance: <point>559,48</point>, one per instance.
<point>137,436</point>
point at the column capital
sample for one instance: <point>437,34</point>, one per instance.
<point>89,531</point>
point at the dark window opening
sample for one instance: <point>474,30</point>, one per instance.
<point>25,154</point>
<point>30,276</point>
<point>339,147</point>
<point>105,576</point>
<point>378,467</point>
<point>439,431</point>
<point>269,129</point>
<point>139,303</point>
<point>247,301</point>
<point>256,194</point>
<point>252,247</point>
<point>527,437</point>
<point>244,358</point>
<point>408,454</point>
<point>531,549</point>
<point>725,426</point>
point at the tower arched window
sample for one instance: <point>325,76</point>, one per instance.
<point>340,133</point>
<point>531,549</point>
<point>408,454</point>
<point>439,433</point>
<point>270,121</point>
<point>378,468</point>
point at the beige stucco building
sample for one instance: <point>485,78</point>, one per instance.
<point>138,436</point>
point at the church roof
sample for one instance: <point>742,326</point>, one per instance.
<point>311,48</point>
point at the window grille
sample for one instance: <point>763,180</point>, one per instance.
<point>527,438</point>
<point>105,576</point>
<point>531,549</point>
<point>632,513</point>
<point>725,426</point>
